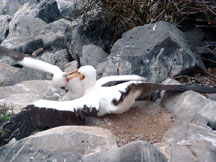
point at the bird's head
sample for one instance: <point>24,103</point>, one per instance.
<point>86,74</point>
<point>59,80</point>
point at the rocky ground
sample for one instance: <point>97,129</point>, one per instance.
<point>181,126</point>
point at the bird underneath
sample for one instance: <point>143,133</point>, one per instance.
<point>96,100</point>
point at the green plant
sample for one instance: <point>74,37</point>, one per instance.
<point>5,114</point>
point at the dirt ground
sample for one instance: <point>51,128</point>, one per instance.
<point>145,121</point>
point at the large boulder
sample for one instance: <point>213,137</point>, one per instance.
<point>66,143</point>
<point>135,151</point>
<point>48,11</point>
<point>155,51</point>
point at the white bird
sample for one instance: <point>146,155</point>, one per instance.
<point>60,78</point>
<point>96,101</point>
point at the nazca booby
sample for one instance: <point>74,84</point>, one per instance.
<point>60,78</point>
<point>96,101</point>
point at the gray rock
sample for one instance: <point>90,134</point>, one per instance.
<point>67,143</point>
<point>21,34</point>
<point>30,74</point>
<point>6,74</point>
<point>96,31</point>
<point>71,66</point>
<point>26,92</point>
<point>46,10</point>
<point>8,7</point>
<point>192,136</point>
<point>155,51</point>
<point>25,26</point>
<point>212,97</point>
<point>191,141</point>
<point>197,125</point>
<point>69,9</point>
<point>135,151</point>
<point>4,26</point>
<point>54,35</point>
<point>59,58</point>
<point>100,69</point>
<point>197,148</point>
<point>186,105</point>
<point>4,60</point>
<point>92,55</point>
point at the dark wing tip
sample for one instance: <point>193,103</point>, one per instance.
<point>131,88</point>
<point>13,54</point>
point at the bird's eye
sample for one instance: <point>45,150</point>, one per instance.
<point>63,88</point>
<point>82,77</point>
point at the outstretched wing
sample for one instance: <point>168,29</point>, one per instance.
<point>146,89</point>
<point>44,114</point>
<point>30,62</point>
<point>151,87</point>
<point>15,55</point>
<point>116,78</point>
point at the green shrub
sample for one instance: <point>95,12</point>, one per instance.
<point>132,13</point>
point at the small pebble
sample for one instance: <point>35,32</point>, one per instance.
<point>109,123</point>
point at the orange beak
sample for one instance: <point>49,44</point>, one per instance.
<point>73,74</point>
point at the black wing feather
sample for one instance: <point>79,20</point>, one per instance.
<point>32,118</point>
<point>147,89</point>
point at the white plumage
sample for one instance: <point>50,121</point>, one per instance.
<point>96,96</point>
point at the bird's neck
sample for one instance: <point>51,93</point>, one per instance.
<point>90,89</point>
